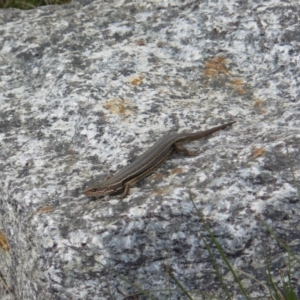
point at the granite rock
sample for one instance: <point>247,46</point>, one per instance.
<point>85,88</point>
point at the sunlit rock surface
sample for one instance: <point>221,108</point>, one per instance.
<point>86,88</point>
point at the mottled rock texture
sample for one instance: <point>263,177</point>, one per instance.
<point>85,88</point>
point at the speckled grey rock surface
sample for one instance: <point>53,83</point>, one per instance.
<point>86,88</point>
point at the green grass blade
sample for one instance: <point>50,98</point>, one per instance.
<point>221,252</point>
<point>177,282</point>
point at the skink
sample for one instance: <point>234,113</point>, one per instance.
<point>147,162</point>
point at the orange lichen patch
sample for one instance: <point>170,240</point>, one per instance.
<point>3,242</point>
<point>117,106</point>
<point>140,42</point>
<point>177,171</point>
<point>238,85</point>
<point>160,191</point>
<point>135,80</point>
<point>258,104</point>
<point>256,152</point>
<point>263,111</point>
<point>215,67</point>
<point>156,176</point>
<point>44,209</point>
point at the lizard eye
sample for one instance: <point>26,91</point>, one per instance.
<point>91,191</point>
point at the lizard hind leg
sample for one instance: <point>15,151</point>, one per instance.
<point>179,148</point>
<point>126,190</point>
